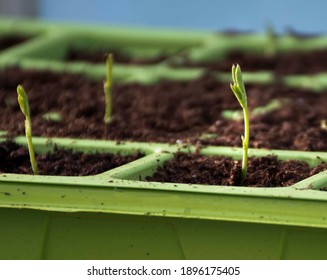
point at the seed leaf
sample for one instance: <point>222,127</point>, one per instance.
<point>23,101</point>
<point>237,85</point>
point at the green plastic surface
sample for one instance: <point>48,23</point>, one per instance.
<point>116,214</point>
<point>47,50</point>
<point>31,234</point>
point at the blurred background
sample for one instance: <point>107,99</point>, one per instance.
<point>251,15</point>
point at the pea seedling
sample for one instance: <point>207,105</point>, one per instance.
<point>238,89</point>
<point>107,90</point>
<point>323,125</point>
<point>24,107</point>
<point>271,45</point>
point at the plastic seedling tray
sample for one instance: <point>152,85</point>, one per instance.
<point>117,214</point>
<point>217,48</point>
<point>49,50</point>
<point>147,43</point>
<point>15,29</point>
<point>144,44</point>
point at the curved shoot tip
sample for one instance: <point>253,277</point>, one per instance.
<point>110,56</point>
<point>22,100</point>
<point>237,75</point>
<point>109,62</point>
<point>21,92</point>
<point>237,85</point>
<point>20,89</point>
<point>235,68</point>
<point>109,59</point>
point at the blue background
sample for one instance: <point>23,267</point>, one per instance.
<point>302,15</point>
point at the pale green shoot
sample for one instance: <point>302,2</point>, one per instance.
<point>323,124</point>
<point>239,91</point>
<point>271,45</point>
<point>24,107</point>
<point>107,90</point>
<point>52,116</point>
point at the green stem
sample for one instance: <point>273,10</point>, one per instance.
<point>107,116</point>
<point>238,89</point>
<point>271,45</point>
<point>245,142</point>
<point>24,107</point>
<point>107,90</point>
<point>28,132</point>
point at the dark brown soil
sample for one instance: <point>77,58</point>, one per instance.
<point>9,41</point>
<point>99,56</point>
<point>15,159</point>
<point>282,64</point>
<point>217,170</point>
<point>164,112</point>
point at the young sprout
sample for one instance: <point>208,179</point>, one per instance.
<point>323,125</point>
<point>24,107</point>
<point>271,45</point>
<point>52,116</point>
<point>107,89</point>
<point>239,91</point>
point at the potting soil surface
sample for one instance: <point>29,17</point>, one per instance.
<point>182,112</point>
<point>217,170</point>
<point>15,159</point>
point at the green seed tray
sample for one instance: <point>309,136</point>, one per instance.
<point>53,41</point>
<point>117,214</point>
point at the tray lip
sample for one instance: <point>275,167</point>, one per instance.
<point>118,177</point>
<point>262,210</point>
